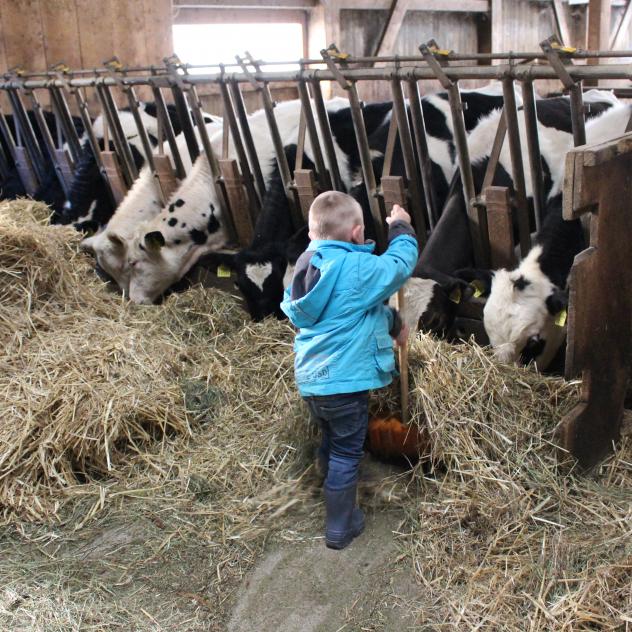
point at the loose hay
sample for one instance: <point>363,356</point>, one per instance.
<point>181,422</point>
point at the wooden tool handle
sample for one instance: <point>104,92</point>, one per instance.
<point>403,361</point>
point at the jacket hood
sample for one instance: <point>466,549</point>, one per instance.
<point>321,254</point>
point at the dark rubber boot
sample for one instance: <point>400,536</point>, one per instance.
<point>345,521</point>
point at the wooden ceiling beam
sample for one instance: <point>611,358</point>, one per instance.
<point>470,6</point>
<point>622,29</point>
<point>392,28</point>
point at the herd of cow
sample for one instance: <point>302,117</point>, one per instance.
<point>147,248</point>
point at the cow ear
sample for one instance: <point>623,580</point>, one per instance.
<point>115,240</point>
<point>556,302</point>
<point>154,241</point>
<point>480,281</point>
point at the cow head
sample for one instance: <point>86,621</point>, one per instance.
<point>158,258</point>
<point>261,278</point>
<point>110,251</point>
<point>431,305</point>
<point>522,312</point>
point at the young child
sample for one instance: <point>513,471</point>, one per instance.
<point>344,344</point>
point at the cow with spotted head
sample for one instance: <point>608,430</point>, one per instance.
<point>435,287</point>
<point>266,265</point>
<point>164,249</point>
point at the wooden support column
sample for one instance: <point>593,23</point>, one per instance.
<point>599,345</point>
<point>622,29</point>
<point>500,228</point>
<point>237,200</point>
<point>498,39</point>
<point>598,30</point>
<point>386,44</point>
<point>561,23</point>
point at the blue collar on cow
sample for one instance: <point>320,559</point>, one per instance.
<point>319,244</point>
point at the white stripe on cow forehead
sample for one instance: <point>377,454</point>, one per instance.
<point>258,273</point>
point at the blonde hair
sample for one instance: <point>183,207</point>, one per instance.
<point>332,214</point>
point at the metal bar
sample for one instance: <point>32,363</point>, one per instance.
<point>577,115</point>
<point>165,122</point>
<point>49,143</point>
<point>322,174</point>
<point>476,215</point>
<point>533,146</point>
<point>227,219</point>
<point>519,71</point>
<point>254,203</point>
<point>121,145</point>
<point>242,117</point>
<point>24,129</point>
<point>517,168</point>
<point>281,158</point>
<point>494,154</point>
<point>325,132</point>
<point>423,154</point>
<point>132,102</point>
<point>64,118</point>
<point>414,185</point>
<point>184,115</point>
<point>363,149</point>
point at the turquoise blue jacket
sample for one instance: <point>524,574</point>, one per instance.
<point>336,299</point>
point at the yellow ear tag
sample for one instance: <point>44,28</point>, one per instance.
<point>560,319</point>
<point>478,288</point>
<point>223,272</point>
<point>455,295</point>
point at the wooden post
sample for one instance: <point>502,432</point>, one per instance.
<point>500,227</point>
<point>598,30</point>
<point>237,200</point>
<point>599,344</point>
<point>306,189</point>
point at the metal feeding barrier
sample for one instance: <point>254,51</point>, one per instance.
<point>238,180</point>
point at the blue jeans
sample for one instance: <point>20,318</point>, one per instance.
<point>343,421</point>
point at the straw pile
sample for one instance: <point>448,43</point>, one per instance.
<point>186,415</point>
<point>503,535</point>
<point>80,381</point>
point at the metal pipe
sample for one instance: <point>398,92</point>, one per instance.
<point>326,135</point>
<point>412,175</point>
<point>321,172</point>
<point>64,118</point>
<point>184,115</point>
<point>423,154</point>
<point>132,102</point>
<point>121,146</point>
<point>517,168</point>
<point>519,72</point>
<point>577,115</point>
<point>254,204</point>
<point>533,146</point>
<point>49,143</point>
<point>165,122</point>
<point>196,108</point>
<point>242,116</point>
<point>24,129</point>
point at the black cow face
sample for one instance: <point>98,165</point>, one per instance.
<point>261,283</point>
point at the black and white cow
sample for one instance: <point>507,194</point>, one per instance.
<point>190,227</point>
<point>89,205</point>
<point>435,286</point>
<point>266,265</point>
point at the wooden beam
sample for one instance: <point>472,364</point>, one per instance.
<point>498,30</point>
<point>622,28</point>
<point>471,6</point>
<point>562,24</point>
<point>392,27</point>
<point>598,26</point>
<point>245,4</point>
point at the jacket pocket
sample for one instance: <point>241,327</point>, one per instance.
<point>384,355</point>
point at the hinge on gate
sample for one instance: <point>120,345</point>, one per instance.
<point>113,64</point>
<point>334,53</point>
<point>568,50</point>
<point>60,67</point>
<point>172,60</point>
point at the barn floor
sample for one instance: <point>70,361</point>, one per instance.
<point>156,473</point>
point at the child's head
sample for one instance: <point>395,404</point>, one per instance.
<point>335,215</point>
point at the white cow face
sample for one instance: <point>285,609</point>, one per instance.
<point>520,314</point>
<point>110,251</point>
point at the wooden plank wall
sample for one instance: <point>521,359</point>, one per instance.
<point>36,34</point>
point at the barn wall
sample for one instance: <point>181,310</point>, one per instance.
<point>35,34</point>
